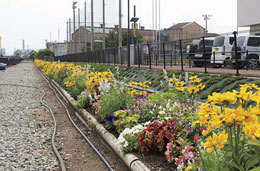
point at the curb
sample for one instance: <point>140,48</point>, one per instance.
<point>131,161</point>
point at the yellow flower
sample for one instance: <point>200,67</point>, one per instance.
<point>206,109</point>
<point>201,87</point>
<point>249,86</point>
<point>207,131</point>
<point>216,141</point>
<point>143,93</point>
<point>252,130</point>
<point>182,89</point>
<point>188,168</point>
<point>173,80</point>
<point>179,83</point>
<point>194,81</point>
<point>193,89</point>
<point>229,117</point>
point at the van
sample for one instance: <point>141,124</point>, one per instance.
<point>248,51</point>
<point>221,51</point>
<point>199,54</point>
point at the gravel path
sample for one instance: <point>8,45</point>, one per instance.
<point>25,126</point>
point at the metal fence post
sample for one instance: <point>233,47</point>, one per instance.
<point>149,55</point>
<point>164,62</point>
<point>121,56</point>
<point>114,56</point>
<point>138,56</point>
<point>214,59</point>
<point>236,55</point>
<point>181,55</point>
<point>108,57</point>
<point>204,54</point>
<point>171,55</point>
<point>175,52</point>
<point>247,60</point>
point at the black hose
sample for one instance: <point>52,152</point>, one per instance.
<point>78,129</point>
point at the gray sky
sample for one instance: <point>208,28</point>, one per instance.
<point>34,20</point>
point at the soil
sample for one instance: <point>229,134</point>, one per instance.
<point>77,154</point>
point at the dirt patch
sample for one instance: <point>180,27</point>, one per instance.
<point>77,154</point>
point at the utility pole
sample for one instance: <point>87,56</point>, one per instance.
<point>159,29</point>
<point>128,36</point>
<point>79,29</point>
<point>153,26</point>
<point>69,46</point>
<point>92,27</point>
<point>104,38</point>
<point>85,24</point>
<point>58,35</point>
<point>67,30</point>
<point>74,25</point>
<point>206,17</point>
<point>120,30</point>
<point>156,38</point>
<point>67,37</point>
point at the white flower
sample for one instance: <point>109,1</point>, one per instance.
<point>162,112</point>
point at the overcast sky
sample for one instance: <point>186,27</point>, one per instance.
<point>38,20</point>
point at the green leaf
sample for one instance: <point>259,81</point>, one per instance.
<point>254,143</point>
<point>255,169</point>
<point>252,161</point>
<point>236,166</point>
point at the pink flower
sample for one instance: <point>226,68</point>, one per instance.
<point>181,140</point>
<point>89,118</point>
<point>187,131</point>
<point>196,137</point>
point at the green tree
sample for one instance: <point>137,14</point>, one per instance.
<point>112,39</point>
<point>45,54</point>
<point>33,55</point>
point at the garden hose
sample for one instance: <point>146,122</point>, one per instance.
<point>78,129</point>
<point>54,121</point>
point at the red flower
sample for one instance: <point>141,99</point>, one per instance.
<point>196,137</point>
<point>89,118</point>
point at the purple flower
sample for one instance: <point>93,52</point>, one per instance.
<point>110,118</point>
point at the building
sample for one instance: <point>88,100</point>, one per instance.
<point>82,37</point>
<point>185,31</point>
<point>23,53</point>
<point>3,52</point>
<point>248,15</point>
<point>59,48</point>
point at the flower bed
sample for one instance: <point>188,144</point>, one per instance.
<point>221,134</point>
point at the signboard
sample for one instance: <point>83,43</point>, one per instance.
<point>248,13</point>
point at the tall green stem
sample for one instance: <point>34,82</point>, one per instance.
<point>217,158</point>
<point>202,160</point>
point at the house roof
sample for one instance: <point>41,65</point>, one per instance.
<point>180,25</point>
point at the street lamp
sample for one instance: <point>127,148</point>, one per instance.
<point>74,24</point>
<point>128,36</point>
<point>206,17</point>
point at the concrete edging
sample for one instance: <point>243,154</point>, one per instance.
<point>131,161</point>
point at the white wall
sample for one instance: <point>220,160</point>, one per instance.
<point>248,12</point>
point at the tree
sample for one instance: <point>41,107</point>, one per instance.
<point>112,39</point>
<point>45,54</point>
<point>33,55</point>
